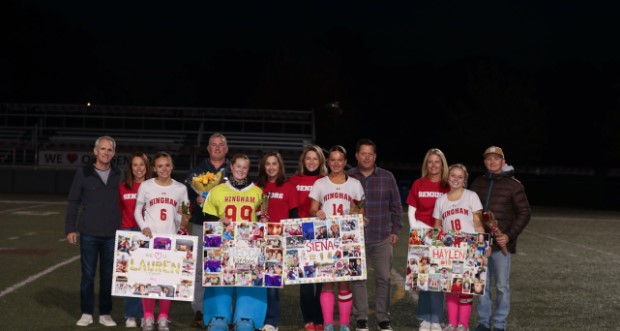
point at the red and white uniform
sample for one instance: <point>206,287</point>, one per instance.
<point>281,200</point>
<point>458,215</point>
<point>303,185</point>
<point>161,205</point>
<point>422,196</point>
<point>335,199</point>
<point>127,197</point>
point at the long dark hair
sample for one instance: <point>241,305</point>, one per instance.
<point>129,178</point>
<point>263,178</point>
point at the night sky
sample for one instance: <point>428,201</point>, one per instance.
<point>471,74</point>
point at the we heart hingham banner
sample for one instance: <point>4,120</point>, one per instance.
<point>64,159</point>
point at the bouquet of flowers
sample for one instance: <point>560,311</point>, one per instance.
<point>357,207</point>
<point>204,182</point>
<point>186,211</point>
<point>489,219</point>
<point>263,207</point>
<point>186,208</point>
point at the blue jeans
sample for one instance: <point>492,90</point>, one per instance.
<point>273,307</point>
<point>430,306</point>
<point>132,306</point>
<point>498,269</point>
<point>91,249</point>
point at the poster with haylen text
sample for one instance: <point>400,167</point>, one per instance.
<point>447,261</point>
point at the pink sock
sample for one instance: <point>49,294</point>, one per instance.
<point>164,309</point>
<point>465,305</point>
<point>345,302</point>
<point>148,307</point>
<point>452,305</point>
<point>327,306</point>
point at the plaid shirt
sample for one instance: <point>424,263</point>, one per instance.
<point>383,204</point>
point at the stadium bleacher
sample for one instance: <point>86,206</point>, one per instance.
<point>182,131</point>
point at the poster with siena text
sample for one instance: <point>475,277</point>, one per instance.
<point>162,267</point>
<point>447,261</point>
<point>242,254</point>
<point>320,251</point>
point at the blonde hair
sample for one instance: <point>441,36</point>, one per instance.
<point>462,167</point>
<point>322,162</point>
<point>444,165</point>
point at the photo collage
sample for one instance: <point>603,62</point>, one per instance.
<point>447,261</point>
<point>158,267</point>
<point>327,250</point>
<point>242,254</point>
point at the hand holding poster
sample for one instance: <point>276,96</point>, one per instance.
<point>319,251</point>
<point>158,267</point>
<point>447,261</point>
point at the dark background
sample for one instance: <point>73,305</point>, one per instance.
<point>538,78</point>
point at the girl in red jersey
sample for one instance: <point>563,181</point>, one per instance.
<point>311,166</point>
<point>282,204</point>
<point>138,170</point>
<point>421,200</point>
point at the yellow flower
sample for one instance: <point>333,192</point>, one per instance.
<point>206,181</point>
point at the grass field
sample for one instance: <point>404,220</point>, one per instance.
<point>564,276</point>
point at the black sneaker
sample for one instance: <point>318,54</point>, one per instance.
<point>361,325</point>
<point>385,326</point>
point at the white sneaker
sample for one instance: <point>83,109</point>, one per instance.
<point>148,324</point>
<point>436,327</point>
<point>85,320</point>
<point>106,320</point>
<point>162,325</point>
<point>269,327</point>
<point>425,326</point>
<point>131,322</point>
<point>461,328</point>
<point>450,327</point>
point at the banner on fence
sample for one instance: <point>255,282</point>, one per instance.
<point>247,254</point>
<point>161,267</point>
<point>447,261</point>
<point>320,251</point>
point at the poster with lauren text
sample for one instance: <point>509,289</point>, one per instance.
<point>162,267</point>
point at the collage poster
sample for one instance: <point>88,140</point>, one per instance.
<point>158,267</point>
<point>247,254</point>
<point>447,261</point>
<point>319,251</point>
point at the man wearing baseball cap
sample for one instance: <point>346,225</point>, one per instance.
<point>501,193</point>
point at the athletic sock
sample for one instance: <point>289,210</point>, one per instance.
<point>327,306</point>
<point>452,306</point>
<point>345,302</point>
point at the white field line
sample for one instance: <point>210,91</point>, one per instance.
<point>22,208</point>
<point>34,202</point>
<point>37,276</point>
<point>580,219</point>
<point>569,242</point>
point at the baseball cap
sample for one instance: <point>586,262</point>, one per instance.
<point>493,150</point>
